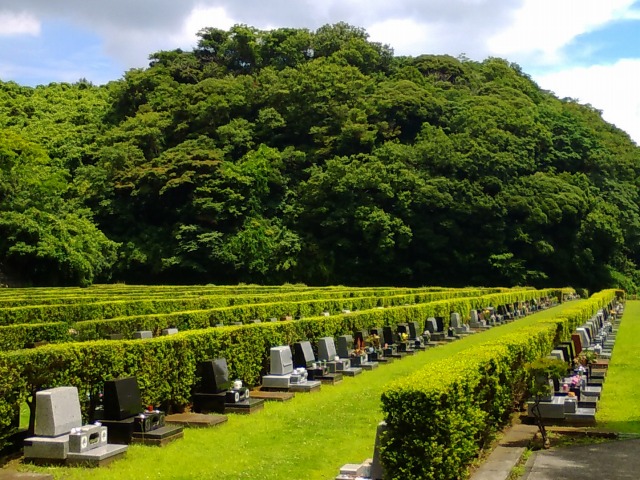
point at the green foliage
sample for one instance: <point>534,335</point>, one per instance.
<point>315,156</point>
<point>468,398</point>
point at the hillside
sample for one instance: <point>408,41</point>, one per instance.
<point>316,157</point>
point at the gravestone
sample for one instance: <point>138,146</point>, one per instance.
<point>304,357</point>
<point>327,353</point>
<point>387,335</point>
<point>143,334</point>
<point>344,349</point>
<point>432,328</point>
<point>431,325</point>
<point>390,348</point>
<point>126,419</point>
<point>405,345</point>
<point>357,355</point>
<point>415,336</point>
<point>577,343</point>
<point>281,360</point>
<point>559,354</point>
<point>60,436</point>
<point>326,349</point>
<point>283,376</point>
<point>218,393</point>
<point>215,376</point>
<point>584,337</point>
<point>121,398</point>
<point>169,331</point>
<point>359,338</point>
<point>57,411</point>
<point>440,323</point>
<point>370,469</point>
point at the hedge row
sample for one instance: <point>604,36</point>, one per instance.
<point>59,296</point>
<point>440,417</point>
<point>191,320</point>
<point>165,366</point>
<point>76,312</point>
<point>14,337</point>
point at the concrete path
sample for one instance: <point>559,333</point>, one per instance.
<point>613,460</point>
<point>507,454</point>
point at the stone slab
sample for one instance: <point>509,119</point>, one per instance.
<point>252,405</point>
<point>609,460</point>
<point>46,448</point>
<point>6,474</point>
<point>272,396</point>
<point>98,457</point>
<point>195,420</point>
<point>159,437</point>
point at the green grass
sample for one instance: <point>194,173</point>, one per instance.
<point>309,437</point>
<point>619,408</point>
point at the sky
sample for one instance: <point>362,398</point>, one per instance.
<point>588,50</point>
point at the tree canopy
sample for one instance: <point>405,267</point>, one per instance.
<point>316,157</point>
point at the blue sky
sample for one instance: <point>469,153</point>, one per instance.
<point>583,49</point>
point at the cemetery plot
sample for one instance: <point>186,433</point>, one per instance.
<point>346,416</point>
<point>128,422</point>
<point>60,436</point>
<point>167,364</point>
<point>217,393</point>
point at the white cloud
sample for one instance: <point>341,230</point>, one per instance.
<point>199,18</point>
<point>20,23</point>
<point>406,36</point>
<point>542,28</point>
<point>610,88</point>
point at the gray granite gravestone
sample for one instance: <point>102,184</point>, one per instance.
<point>335,364</point>
<point>169,331</point>
<point>60,436</point>
<point>283,376</point>
<point>142,334</point>
<point>57,411</point>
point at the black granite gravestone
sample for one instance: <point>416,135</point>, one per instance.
<point>126,419</point>
<point>217,393</point>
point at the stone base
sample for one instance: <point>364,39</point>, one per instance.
<point>369,365</point>
<point>307,387</point>
<point>271,396</point>
<point>158,437</point>
<point>252,405</point>
<point>98,457</point>
<point>119,431</point>
<point>195,420</point>
<point>46,448</point>
<point>6,474</point>
<point>330,378</point>
<point>216,402</point>
<point>356,471</point>
<point>384,360</point>
<point>351,371</point>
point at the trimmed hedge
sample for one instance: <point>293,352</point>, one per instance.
<point>440,417</point>
<point>13,337</point>
<point>165,366</point>
<point>105,309</point>
<point>190,320</point>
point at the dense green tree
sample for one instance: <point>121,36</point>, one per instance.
<point>315,156</point>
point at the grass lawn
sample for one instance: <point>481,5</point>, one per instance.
<point>309,437</point>
<point>619,408</point>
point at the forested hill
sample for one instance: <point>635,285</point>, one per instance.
<point>316,157</point>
